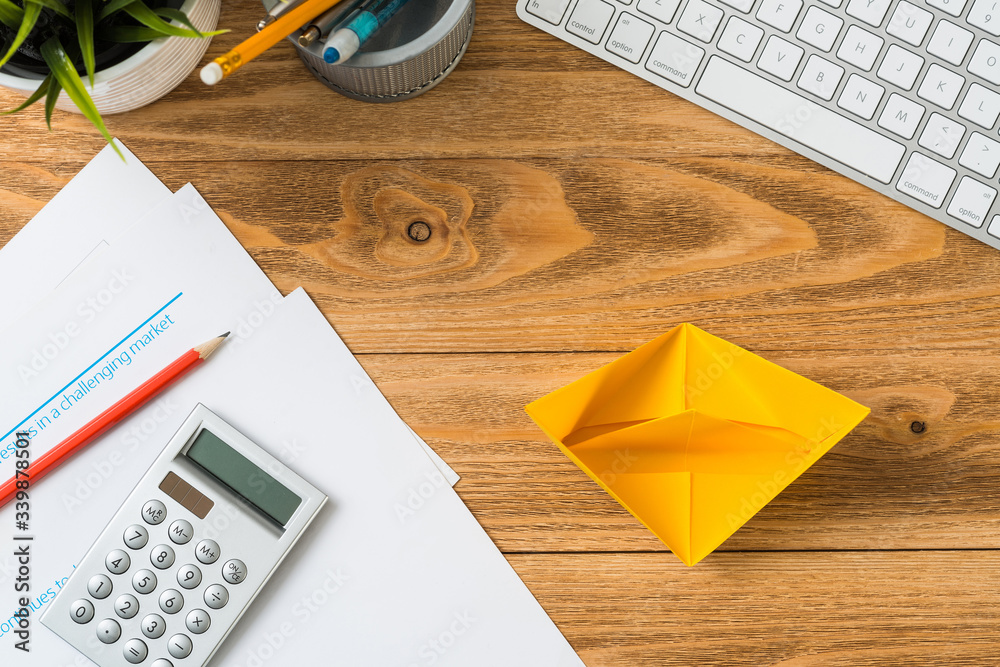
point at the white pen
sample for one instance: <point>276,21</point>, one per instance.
<point>345,42</point>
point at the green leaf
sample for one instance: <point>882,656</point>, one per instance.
<point>122,34</point>
<point>54,5</point>
<point>85,33</point>
<point>113,7</point>
<point>179,16</point>
<point>31,14</point>
<point>146,16</point>
<point>136,33</point>
<point>35,96</point>
<point>61,67</point>
<point>10,14</point>
<point>52,95</point>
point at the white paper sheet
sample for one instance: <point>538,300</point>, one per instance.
<point>84,218</point>
<point>395,572</point>
<point>104,199</point>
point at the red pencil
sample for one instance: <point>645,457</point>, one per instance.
<point>123,408</point>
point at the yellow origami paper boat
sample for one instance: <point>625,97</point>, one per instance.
<point>694,435</point>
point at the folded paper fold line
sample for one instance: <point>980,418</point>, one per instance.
<point>694,435</point>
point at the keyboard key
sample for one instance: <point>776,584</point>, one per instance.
<point>630,37</point>
<point>953,7</point>
<point>942,135</point>
<point>909,23</point>
<point>661,10</point>
<point>949,42</point>
<point>135,536</point>
<point>900,67</point>
<point>216,596</point>
<point>740,39</point>
<point>99,586</point>
<point>590,19</point>
<point>779,14</point>
<point>861,97</point>
<point>675,59</point>
<point>985,14</point>
<point>971,202</point>
<point>82,611</point>
<point>740,5</point>
<point>981,155</point>
<point>981,106</point>
<point>986,61</point>
<point>179,646</point>
<point>901,116</point>
<point>700,20</point>
<point>870,11</point>
<point>780,58</point>
<point>548,10</point>
<point>941,86</point>
<point>801,119</point>
<point>108,631</point>
<point>135,651</point>
<point>198,621</point>
<point>820,77</point>
<point>926,180</point>
<point>126,606</point>
<point>153,626</point>
<point>117,561</point>
<point>819,28</point>
<point>994,228</point>
<point>860,48</point>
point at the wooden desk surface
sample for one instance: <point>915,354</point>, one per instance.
<point>579,212</point>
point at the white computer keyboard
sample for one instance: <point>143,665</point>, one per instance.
<point>899,95</point>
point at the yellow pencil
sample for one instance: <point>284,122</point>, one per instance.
<point>289,22</point>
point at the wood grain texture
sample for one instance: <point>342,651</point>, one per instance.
<point>775,609</point>
<point>575,213</point>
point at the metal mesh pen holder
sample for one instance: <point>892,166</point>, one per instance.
<point>411,54</point>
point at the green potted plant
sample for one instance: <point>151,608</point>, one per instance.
<point>101,56</point>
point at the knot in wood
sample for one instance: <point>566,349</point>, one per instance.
<point>419,231</point>
<point>918,427</point>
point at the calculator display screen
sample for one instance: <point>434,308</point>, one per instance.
<point>245,478</point>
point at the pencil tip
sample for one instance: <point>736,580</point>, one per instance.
<point>225,335</point>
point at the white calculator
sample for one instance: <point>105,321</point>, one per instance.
<point>187,553</point>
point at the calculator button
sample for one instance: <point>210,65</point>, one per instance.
<point>162,662</point>
<point>135,537</point>
<point>181,532</point>
<point>118,562</point>
<point>161,557</point>
<point>153,626</point>
<point>153,513</point>
<point>234,571</point>
<point>82,611</point>
<point>180,646</point>
<point>198,621</point>
<point>207,552</point>
<point>171,601</point>
<point>135,651</point>
<point>99,586</point>
<point>144,581</point>
<point>126,606</point>
<point>216,596</point>
<point>189,576</point>
<point>108,631</point>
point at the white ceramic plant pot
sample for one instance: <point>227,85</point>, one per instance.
<point>146,76</point>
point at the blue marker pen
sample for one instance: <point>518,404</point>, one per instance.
<point>345,42</point>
